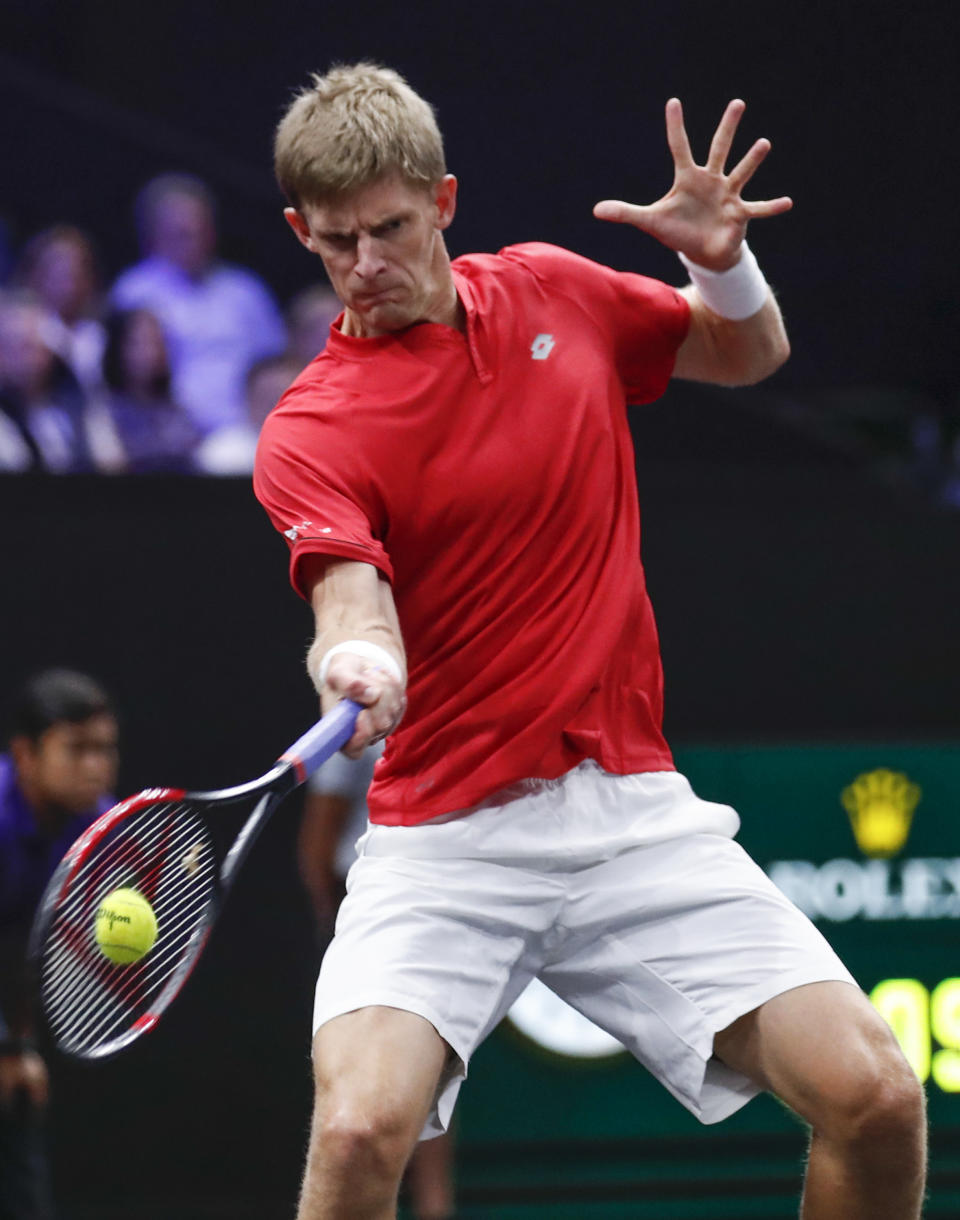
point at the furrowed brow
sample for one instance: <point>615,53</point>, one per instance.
<point>387,221</point>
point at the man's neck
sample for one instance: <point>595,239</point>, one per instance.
<point>49,817</point>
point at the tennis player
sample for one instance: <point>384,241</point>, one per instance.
<point>455,478</point>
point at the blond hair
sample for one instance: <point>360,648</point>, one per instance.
<point>357,124</point>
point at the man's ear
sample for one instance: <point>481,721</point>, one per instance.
<point>22,751</point>
<point>445,199</point>
<point>297,221</point>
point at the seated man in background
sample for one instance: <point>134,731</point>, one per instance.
<point>55,779</point>
<point>231,449</point>
<point>219,319</point>
<point>58,267</point>
<point>44,419</point>
<point>309,316</point>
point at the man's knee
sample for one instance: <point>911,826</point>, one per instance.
<point>874,1098</point>
<point>372,1137</point>
<point>376,1072</point>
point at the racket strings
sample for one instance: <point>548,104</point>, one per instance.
<point>97,997</point>
<point>165,852</point>
<point>89,974</point>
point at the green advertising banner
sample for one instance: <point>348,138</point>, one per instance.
<point>556,1120</point>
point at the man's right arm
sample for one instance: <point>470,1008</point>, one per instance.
<point>22,1071</point>
<point>353,603</point>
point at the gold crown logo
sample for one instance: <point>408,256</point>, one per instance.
<point>881,804</point>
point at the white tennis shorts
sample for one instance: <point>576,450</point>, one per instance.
<point>626,895</point>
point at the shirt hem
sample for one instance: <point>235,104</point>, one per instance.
<point>465,800</point>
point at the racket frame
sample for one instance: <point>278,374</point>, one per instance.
<point>291,770</point>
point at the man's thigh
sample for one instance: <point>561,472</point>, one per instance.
<point>669,944</point>
<point>813,1046</point>
<point>450,941</point>
<point>367,1059</point>
<point>440,938</point>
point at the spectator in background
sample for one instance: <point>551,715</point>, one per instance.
<point>43,424</point>
<point>231,450</point>
<point>310,315</point>
<point>55,779</point>
<point>58,267</point>
<point>219,319</point>
<point>154,433</point>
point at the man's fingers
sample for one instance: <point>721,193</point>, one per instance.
<point>373,724</point>
<point>744,170</point>
<point>620,212</point>
<point>768,207</point>
<point>382,698</point>
<point>677,135</point>
<point>723,136</point>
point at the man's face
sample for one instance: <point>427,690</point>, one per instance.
<point>64,278</point>
<point>183,231</point>
<point>71,766</point>
<point>383,251</point>
<point>25,360</point>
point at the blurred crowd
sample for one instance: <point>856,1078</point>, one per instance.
<point>174,366</point>
<point>171,368</point>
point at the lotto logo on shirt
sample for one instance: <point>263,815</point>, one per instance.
<point>542,346</point>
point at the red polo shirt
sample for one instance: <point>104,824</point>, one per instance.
<point>490,476</point>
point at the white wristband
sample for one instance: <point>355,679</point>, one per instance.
<point>737,293</point>
<point>360,648</point>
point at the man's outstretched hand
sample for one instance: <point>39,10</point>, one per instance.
<point>702,215</point>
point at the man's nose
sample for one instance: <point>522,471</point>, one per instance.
<point>369,256</point>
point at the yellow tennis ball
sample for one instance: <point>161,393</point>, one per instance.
<point>126,927</point>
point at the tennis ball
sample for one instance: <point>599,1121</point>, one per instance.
<point>126,926</point>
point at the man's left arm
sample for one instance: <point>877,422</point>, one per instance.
<point>723,351</point>
<point>736,334</point>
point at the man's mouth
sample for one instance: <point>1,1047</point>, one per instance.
<point>368,299</point>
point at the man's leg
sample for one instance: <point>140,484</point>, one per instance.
<point>825,1051</point>
<point>430,1178</point>
<point>376,1072</point>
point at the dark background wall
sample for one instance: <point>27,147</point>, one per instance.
<point>798,597</point>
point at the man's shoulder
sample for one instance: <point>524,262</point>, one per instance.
<point>143,278</point>
<point>315,397</point>
<point>236,278</point>
<point>529,255</point>
<point>325,378</point>
<point>535,263</point>
<point>11,798</point>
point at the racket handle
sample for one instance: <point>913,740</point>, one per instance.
<point>323,740</point>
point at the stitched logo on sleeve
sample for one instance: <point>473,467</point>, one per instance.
<point>542,346</point>
<point>298,531</point>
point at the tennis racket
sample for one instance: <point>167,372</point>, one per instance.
<point>181,852</point>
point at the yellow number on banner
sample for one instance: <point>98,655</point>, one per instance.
<point>945,1023</point>
<point>905,1005</point>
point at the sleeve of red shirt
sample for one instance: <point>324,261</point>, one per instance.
<point>646,319</point>
<point>303,478</point>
